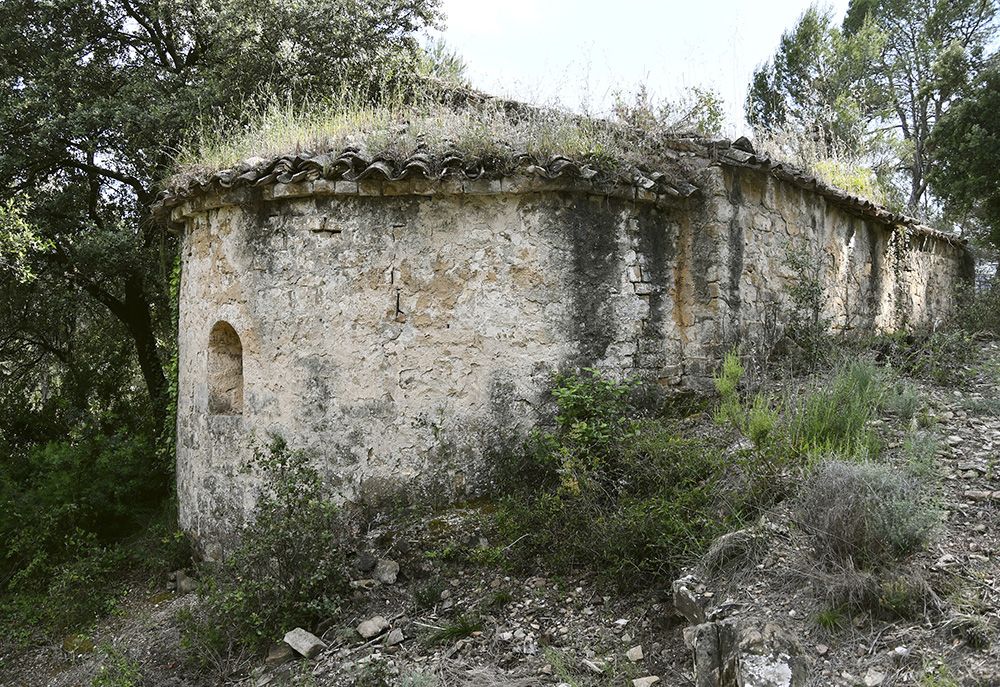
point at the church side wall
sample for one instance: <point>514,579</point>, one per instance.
<point>400,336</point>
<point>403,337</point>
<point>774,236</point>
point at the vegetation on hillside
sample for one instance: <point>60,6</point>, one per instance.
<point>102,102</point>
<point>96,100</point>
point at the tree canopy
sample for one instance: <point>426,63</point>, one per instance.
<point>880,81</point>
<point>96,98</point>
<point>966,145</point>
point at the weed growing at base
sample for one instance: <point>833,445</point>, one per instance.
<point>286,570</point>
<point>834,416</point>
<point>117,670</point>
<point>610,491</point>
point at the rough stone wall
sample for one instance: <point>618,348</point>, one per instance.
<point>874,277</point>
<point>396,334</point>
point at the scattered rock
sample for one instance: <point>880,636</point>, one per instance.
<point>184,583</point>
<point>634,654</point>
<point>688,601</point>
<point>366,562</point>
<point>647,681</point>
<point>729,652</point>
<point>305,643</point>
<point>395,637</point>
<point>278,654</point>
<point>822,649</point>
<point>373,627</point>
<point>874,677</point>
<point>945,561</point>
<point>386,571</point>
<point>592,667</point>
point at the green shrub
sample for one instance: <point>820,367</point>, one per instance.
<point>727,383</point>
<point>79,518</point>
<point>944,357</point>
<point>920,448</point>
<point>979,308</point>
<point>901,596</point>
<point>901,400</point>
<point>374,672</point>
<point>644,501</point>
<point>862,515</point>
<point>287,570</point>
<point>593,421</point>
<point>938,676</point>
<point>834,416</point>
<point>117,670</point>
<point>807,332</point>
<point>758,421</point>
<point>461,627</point>
<point>831,619</point>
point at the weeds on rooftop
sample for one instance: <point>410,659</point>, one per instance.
<point>441,121</point>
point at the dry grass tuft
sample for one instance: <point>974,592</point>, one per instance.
<point>863,515</point>
<point>735,551</point>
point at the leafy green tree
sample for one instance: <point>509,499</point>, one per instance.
<point>879,82</point>
<point>439,61</point>
<point>817,81</point>
<point>95,97</point>
<point>966,145</point>
<point>931,51</point>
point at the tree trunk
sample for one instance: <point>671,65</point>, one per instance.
<point>136,317</point>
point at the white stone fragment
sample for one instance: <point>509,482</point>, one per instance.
<point>373,627</point>
<point>305,643</point>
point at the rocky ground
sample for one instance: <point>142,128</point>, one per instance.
<point>438,621</point>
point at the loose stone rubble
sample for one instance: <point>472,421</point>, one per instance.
<point>305,643</point>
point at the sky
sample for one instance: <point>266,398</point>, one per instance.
<point>577,53</point>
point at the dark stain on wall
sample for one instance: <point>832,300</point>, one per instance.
<point>591,237</point>
<point>735,241</point>
<point>877,255</point>
<point>658,244</point>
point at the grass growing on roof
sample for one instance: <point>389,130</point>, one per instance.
<point>402,123</point>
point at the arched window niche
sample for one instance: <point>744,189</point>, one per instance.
<point>225,370</point>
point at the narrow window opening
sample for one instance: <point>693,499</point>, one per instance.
<point>225,371</point>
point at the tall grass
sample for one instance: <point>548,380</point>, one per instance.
<point>834,418</point>
<point>434,120</point>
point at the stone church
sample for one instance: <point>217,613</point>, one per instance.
<point>395,316</point>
